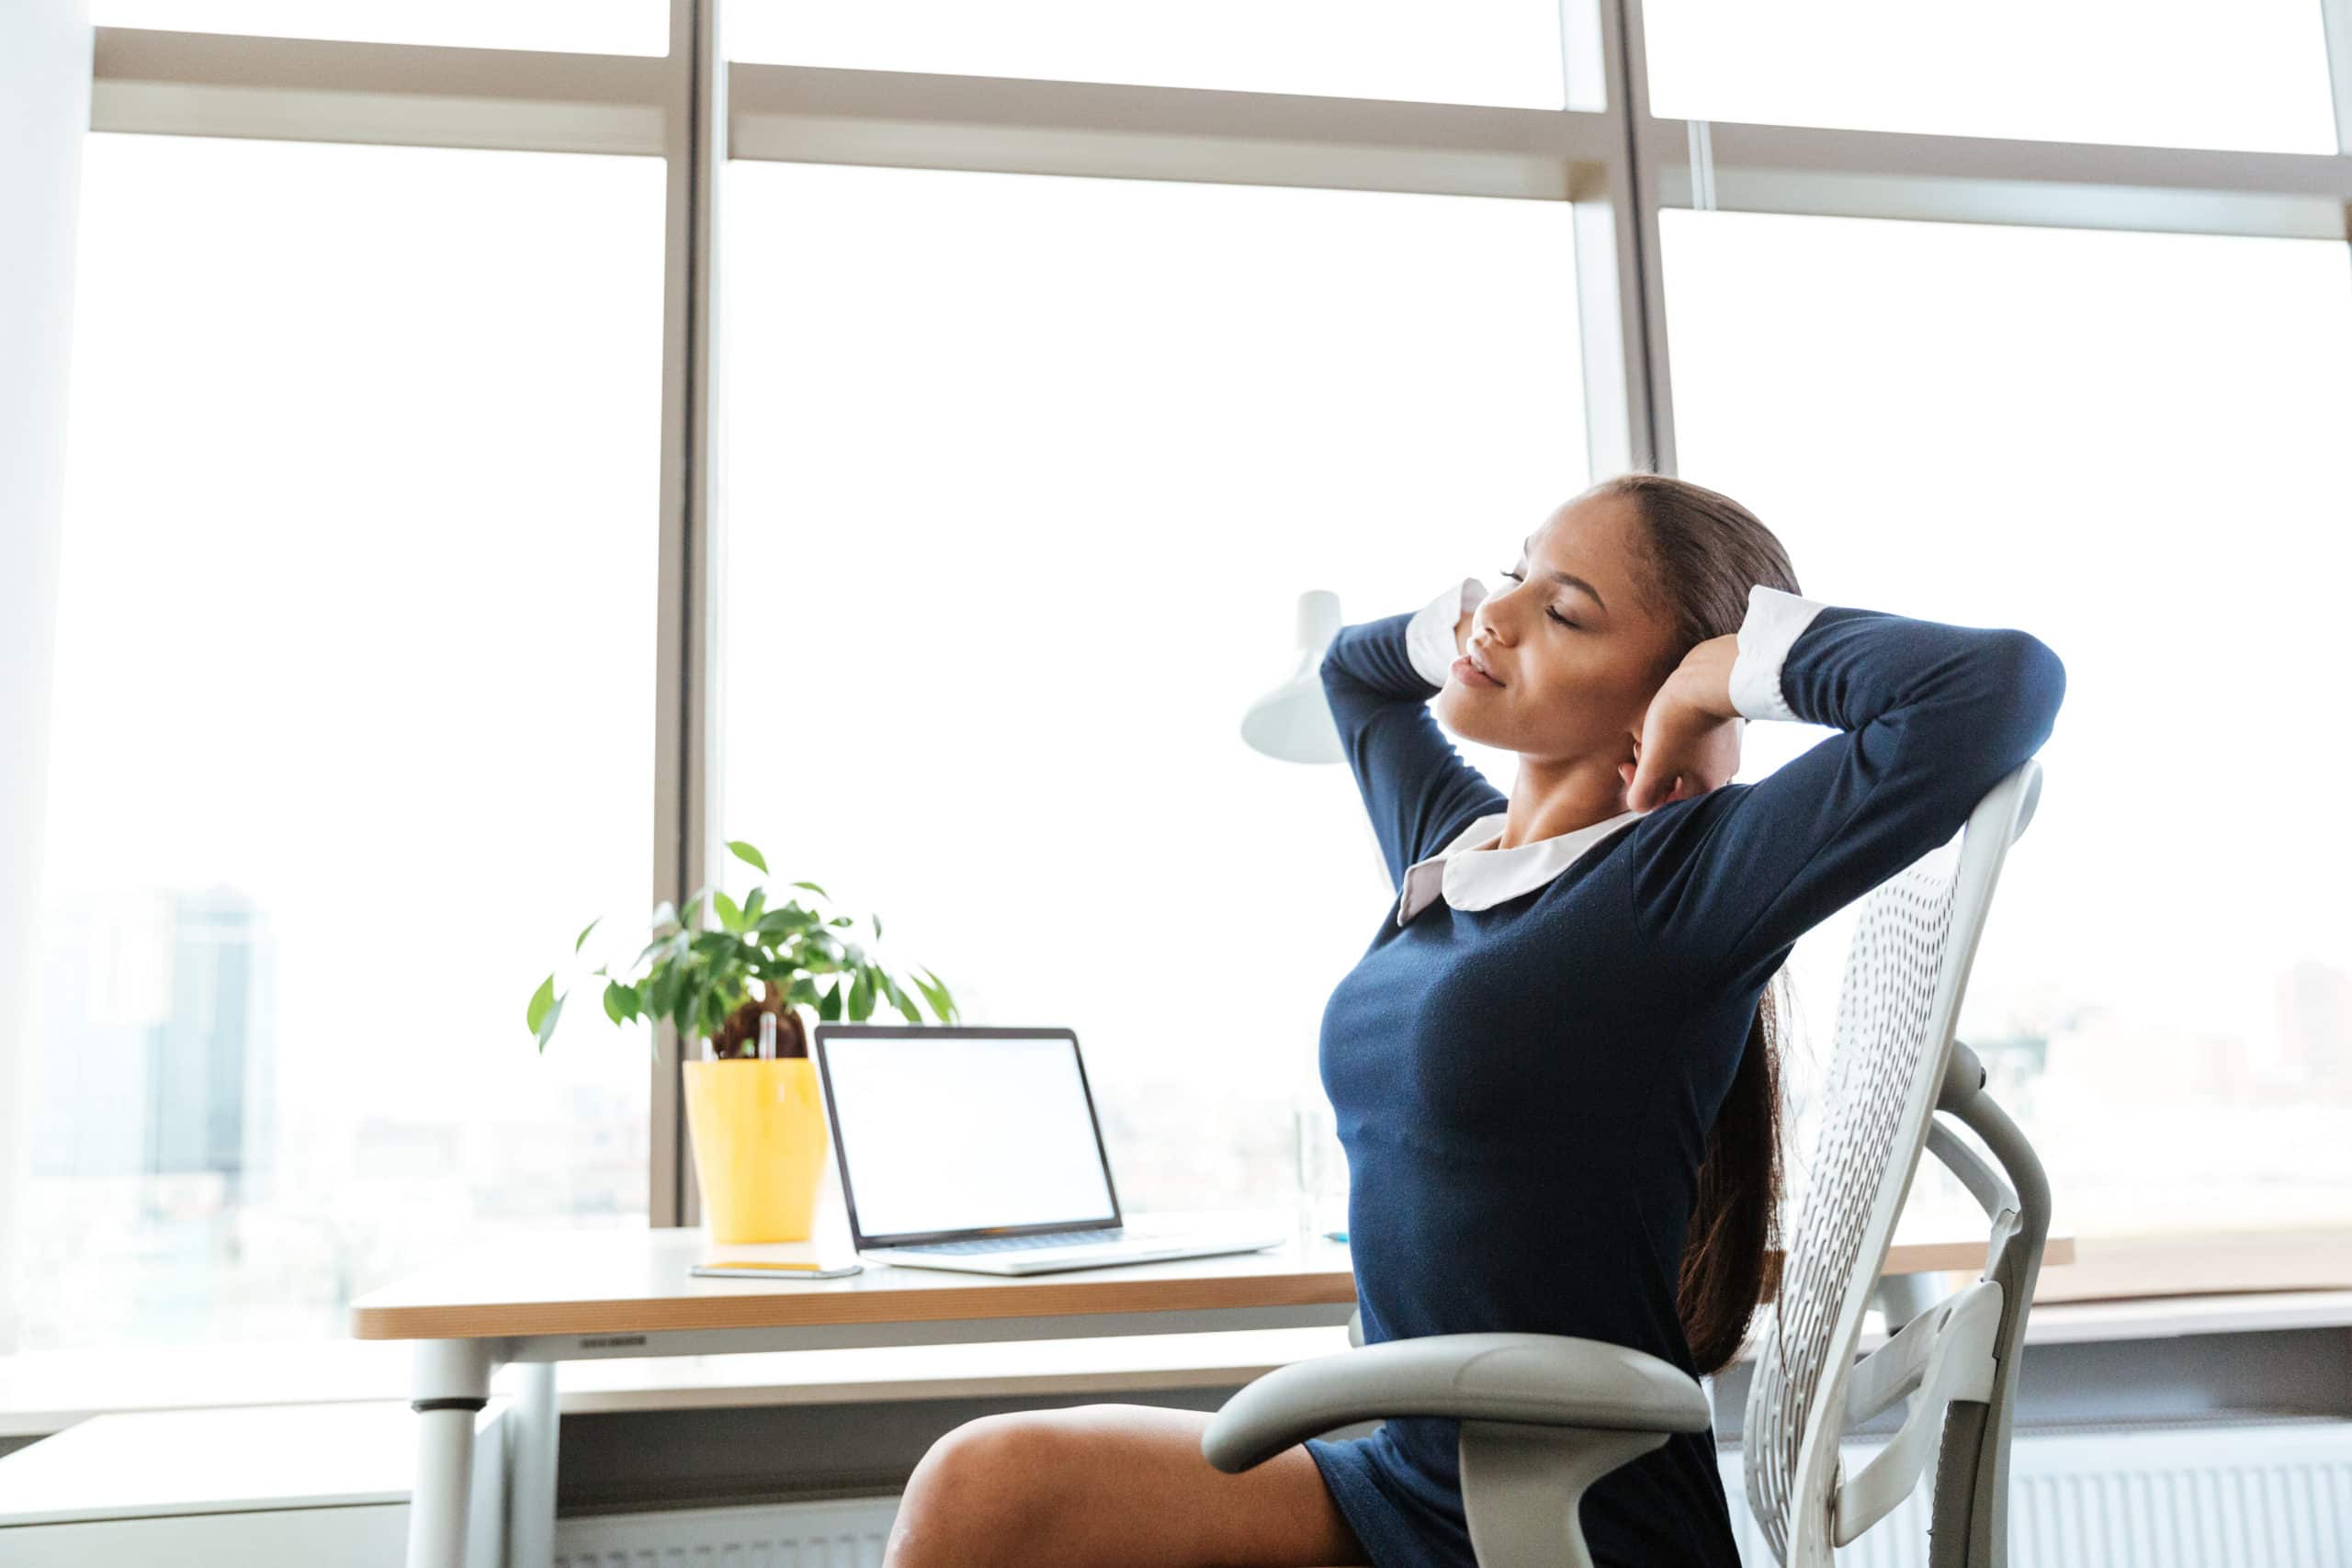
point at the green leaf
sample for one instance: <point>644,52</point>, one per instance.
<point>776,922</point>
<point>731,914</point>
<point>930,994</point>
<point>546,1024</point>
<point>813,888</point>
<point>694,978</point>
<point>829,1005</point>
<point>877,927</point>
<point>935,992</point>
<point>583,933</point>
<point>662,992</point>
<point>899,998</point>
<point>753,905</point>
<point>620,1002</point>
<point>541,1000</point>
<point>747,856</point>
<point>840,920</point>
<point>860,997</point>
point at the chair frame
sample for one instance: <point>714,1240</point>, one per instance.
<point>1544,1415</point>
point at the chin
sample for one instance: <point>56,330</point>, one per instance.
<point>1457,707</point>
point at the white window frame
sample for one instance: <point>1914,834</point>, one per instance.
<point>1604,154</point>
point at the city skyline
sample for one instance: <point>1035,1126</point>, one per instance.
<point>159,1115</point>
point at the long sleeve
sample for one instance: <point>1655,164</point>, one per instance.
<point>1933,715</point>
<point>1379,677</point>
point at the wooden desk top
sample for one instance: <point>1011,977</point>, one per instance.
<point>634,1282</point>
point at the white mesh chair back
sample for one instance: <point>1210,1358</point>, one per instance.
<point>1897,1008</point>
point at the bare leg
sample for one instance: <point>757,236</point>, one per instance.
<point>1111,1487</point>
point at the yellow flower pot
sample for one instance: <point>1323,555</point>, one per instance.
<point>760,1141</point>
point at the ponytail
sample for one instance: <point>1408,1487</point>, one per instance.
<point>1705,550</point>
<point>1724,1255</point>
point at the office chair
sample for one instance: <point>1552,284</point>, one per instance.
<point>1544,1415</point>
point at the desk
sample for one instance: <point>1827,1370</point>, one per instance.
<point>587,1294</point>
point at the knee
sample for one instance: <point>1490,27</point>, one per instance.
<point>979,1492</point>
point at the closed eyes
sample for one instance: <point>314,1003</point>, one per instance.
<point>1517,577</point>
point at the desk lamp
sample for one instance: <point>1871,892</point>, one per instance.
<point>1293,721</point>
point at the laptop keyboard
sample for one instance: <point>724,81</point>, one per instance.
<point>1022,1242</point>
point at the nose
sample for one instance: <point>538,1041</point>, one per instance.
<point>1493,616</point>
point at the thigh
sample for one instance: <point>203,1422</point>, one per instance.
<point>1116,1486</point>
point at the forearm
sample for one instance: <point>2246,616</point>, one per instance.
<point>1378,678</point>
<point>1931,716</point>
<point>1737,675</point>
<point>1702,682</point>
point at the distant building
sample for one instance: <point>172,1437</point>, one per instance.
<point>209,1081</point>
<point>157,1058</point>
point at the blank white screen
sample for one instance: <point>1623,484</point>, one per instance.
<point>941,1134</point>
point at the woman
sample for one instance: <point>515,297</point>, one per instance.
<point>1556,1065</point>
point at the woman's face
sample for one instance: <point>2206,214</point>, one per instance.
<point>1574,658</point>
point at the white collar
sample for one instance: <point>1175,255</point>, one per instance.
<point>1474,875</point>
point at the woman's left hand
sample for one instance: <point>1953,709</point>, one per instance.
<point>1688,742</point>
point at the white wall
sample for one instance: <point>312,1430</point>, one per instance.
<point>44,109</point>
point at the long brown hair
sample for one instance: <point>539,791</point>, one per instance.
<point>1704,550</point>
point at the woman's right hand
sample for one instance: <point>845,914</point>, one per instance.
<point>1461,628</point>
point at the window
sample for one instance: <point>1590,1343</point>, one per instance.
<point>2131,445</point>
<point>353,711</point>
<point>2252,75</point>
<point>1461,51</point>
<point>362,616</point>
<point>606,27</point>
<point>1026,475</point>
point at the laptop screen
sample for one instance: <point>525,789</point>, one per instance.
<point>941,1131</point>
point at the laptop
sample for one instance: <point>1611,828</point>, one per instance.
<point>977,1149</point>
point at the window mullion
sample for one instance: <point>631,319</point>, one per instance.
<point>686,783</point>
<point>2335,17</point>
<point>1621,310</point>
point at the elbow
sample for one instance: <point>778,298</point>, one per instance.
<point>2028,685</point>
<point>1333,671</point>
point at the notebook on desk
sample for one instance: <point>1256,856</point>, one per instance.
<point>977,1149</point>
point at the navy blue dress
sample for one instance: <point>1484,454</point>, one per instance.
<point>1525,1091</point>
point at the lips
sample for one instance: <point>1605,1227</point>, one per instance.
<point>1471,673</point>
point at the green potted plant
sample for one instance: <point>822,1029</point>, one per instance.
<point>757,1124</point>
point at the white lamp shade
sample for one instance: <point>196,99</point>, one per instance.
<point>1293,721</point>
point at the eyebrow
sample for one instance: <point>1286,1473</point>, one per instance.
<point>1566,579</point>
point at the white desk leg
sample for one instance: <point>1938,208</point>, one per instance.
<point>450,1386</point>
<point>530,1493</point>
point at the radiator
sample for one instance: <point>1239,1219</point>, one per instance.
<point>2268,1494</point>
<point>836,1533</point>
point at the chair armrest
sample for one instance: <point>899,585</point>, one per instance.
<point>1546,1380</point>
